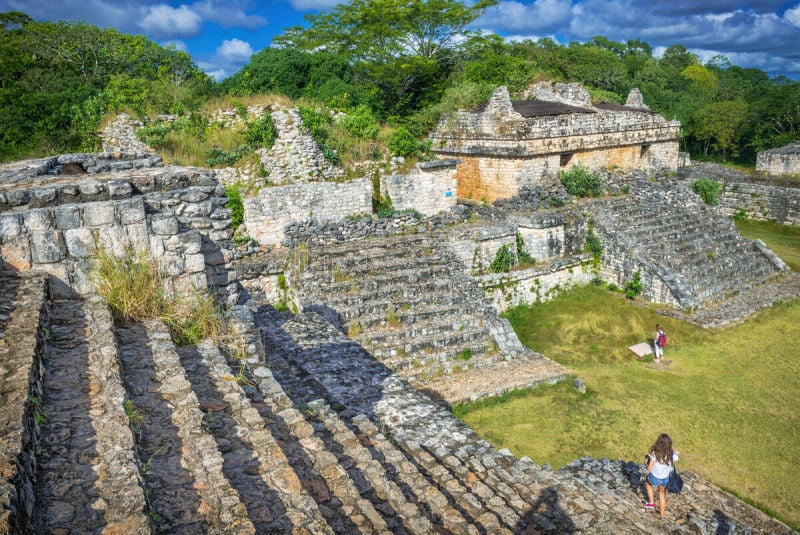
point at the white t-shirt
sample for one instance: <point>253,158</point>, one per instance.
<point>661,471</point>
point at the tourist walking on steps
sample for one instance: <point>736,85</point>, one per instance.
<point>659,463</point>
<point>659,341</point>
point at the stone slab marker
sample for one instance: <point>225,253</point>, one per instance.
<point>641,350</point>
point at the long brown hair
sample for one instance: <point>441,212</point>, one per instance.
<point>663,449</point>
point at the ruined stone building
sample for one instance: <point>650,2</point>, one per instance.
<point>781,161</point>
<point>506,144</point>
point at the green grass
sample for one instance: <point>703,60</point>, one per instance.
<point>730,399</point>
<point>784,240</point>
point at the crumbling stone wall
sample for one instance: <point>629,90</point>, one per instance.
<point>430,188</point>
<point>762,201</point>
<point>268,214</point>
<point>537,284</point>
<point>781,161</point>
<point>56,224</point>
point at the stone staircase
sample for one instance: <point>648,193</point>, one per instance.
<point>680,244</point>
<point>407,301</point>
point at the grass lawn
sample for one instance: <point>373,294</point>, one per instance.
<point>730,399</point>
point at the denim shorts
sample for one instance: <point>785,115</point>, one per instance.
<point>656,482</point>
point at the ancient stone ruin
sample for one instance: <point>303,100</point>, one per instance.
<point>781,161</point>
<point>505,146</point>
<point>360,330</point>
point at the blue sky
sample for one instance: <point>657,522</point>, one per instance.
<point>221,35</point>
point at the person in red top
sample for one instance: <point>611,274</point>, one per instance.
<point>660,341</point>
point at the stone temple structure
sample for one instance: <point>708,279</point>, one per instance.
<point>781,161</point>
<point>506,145</point>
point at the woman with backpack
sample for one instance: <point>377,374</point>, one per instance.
<point>660,341</point>
<point>659,462</point>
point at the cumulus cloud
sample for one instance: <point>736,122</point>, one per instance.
<point>229,14</point>
<point>177,44</point>
<point>102,13</point>
<point>230,56</point>
<point>792,16</point>
<point>540,16</point>
<point>165,21</point>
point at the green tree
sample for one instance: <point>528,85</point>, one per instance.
<point>719,126</point>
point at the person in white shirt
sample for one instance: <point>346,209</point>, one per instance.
<point>659,463</point>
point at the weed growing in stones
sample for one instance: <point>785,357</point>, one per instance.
<point>134,418</point>
<point>466,354</point>
<point>708,190</point>
<point>392,321</point>
<point>39,415</point>
<point>503,260</point>
<point>578,181</point>
<point>634,286</point>
<point>354,329</point>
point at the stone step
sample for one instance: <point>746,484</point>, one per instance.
<point>398,334</point>
<point>181,466</point>
<point>370,290</point>
<point>400,515</point>
<point>402,258</point>
<point>364,250</point>
<point>87,476</point>
<point>342,282</point>
<point>321,474</point>
<point>442,512</point>
<point>23,326</point>
<point>353,308</point>
<point>434,344</point>
<point>254,462</point>
<point>402,314</point>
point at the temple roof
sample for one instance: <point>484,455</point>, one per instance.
<point>544,108</point>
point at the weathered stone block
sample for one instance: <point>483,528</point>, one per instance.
<point>67,217</point>
<point>16,252</point>
<point>119,189</point>
<point>40,219</point>
<point>164,225</point>
<point>113,239</point>
<point>47,247</point>
<point>80,242</point>
<point>131,211</point>
<point>138,237</point>
<point>194,263</point>
<point>10,225</point>
<point>98,214</point>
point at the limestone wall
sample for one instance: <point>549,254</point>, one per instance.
<point>268,214</point>
<point>762,201</point>
<point>537,284</point>
<point>430,188</point>
<point>56,223</point>
<point>780,161</point>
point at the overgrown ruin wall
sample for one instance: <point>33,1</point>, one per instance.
<point>762,201</point>
<point>267,215</point>
<point>781,161</point>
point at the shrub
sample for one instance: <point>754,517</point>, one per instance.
<point>708,190</point>
<point>522,255</point>
<point>260,133</point>
<point>235,205</point>
<point>634,286</point>
<point>555,202</point>
<point>403,143</point>
<point>218,157</point>
<point>593,244</point>
<point>503,260</point>
<point>579,181</point>
<point>359,122</point>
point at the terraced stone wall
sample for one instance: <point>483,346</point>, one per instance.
<point>536,284</point>
<point>780,161</point>
<point>267,215</point>
<point>762,201</point>
<point>56,223</point>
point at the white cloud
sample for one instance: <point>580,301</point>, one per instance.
<point>229,14</point>
<point>313,5</point>
<point>539,16</point>
<point>234,50</point>
<point>792,16</point>
<point>230,56</point>
<point>165,21</point>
